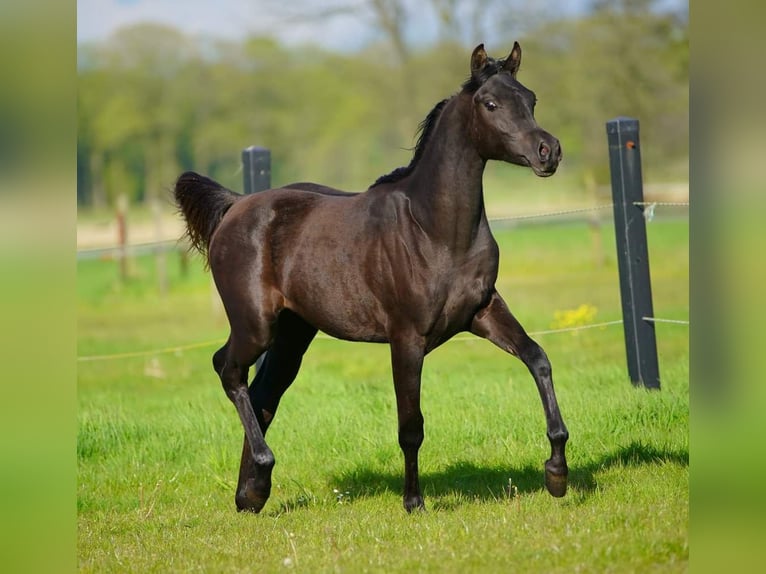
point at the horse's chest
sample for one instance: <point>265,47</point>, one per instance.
<point>464,294</point>
<point>460,292</point>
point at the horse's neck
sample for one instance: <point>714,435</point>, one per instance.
<point>445,188</point>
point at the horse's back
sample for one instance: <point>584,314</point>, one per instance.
<point>318,188</point>
<point>311,211</point>
<point>284,205</point>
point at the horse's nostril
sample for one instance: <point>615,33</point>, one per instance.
<point>544,151</point>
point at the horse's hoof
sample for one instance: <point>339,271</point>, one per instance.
<point>556,483</point>
<point>414,503</point>
<point>250,500</point>
<point>250,503</point>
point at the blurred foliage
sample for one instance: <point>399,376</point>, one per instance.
<point>153,101</point>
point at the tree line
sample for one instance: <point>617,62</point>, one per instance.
<point>153,101</point>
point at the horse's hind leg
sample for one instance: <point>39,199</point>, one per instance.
<point>276,374</point>
<point>280,366</point>
<point>232,363</point>
<point>496,323</point>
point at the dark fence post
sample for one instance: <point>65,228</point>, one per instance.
<point>256,170</point>
<point>632,251</point>
<point>256,167</point>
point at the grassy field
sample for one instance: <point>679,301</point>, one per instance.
<point>159,444</point>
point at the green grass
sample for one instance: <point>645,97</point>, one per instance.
<point>159,444</point>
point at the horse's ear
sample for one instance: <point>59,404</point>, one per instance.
<point>478,60</point>
<point>514,60</point>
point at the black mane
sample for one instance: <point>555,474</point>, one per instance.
<point>425,128</point>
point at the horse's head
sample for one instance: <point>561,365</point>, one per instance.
<point>503,122</point>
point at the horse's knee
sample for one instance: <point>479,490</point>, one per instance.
<point>411,433</point>
<point>537,361</point>
<point>410,440</point>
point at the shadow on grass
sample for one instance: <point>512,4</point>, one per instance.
<point>464,482</point>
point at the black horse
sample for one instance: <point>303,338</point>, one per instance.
<point>409,262</point>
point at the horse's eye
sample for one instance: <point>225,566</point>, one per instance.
<point>490,105</point>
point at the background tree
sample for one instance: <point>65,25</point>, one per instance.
<point>154,101</point>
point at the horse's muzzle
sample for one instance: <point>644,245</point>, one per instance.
<point>548,156</point>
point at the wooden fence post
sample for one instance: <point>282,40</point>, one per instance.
<point>122,235</point>
<point>160,257</point>
<point>632,251</point>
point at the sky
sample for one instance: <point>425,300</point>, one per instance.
<point>236,19</point>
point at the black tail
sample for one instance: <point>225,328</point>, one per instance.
<point>203,203</point>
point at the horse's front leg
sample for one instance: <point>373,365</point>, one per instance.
<point>407,363</point>
<point>497,324</point>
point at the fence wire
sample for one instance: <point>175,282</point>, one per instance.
<point>172,244</point>
<point>671,321</point>
<point>459,338</point>
<point>181,348</point>
<point>551,213</point>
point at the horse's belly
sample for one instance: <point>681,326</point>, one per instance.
<point>339,306</point>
